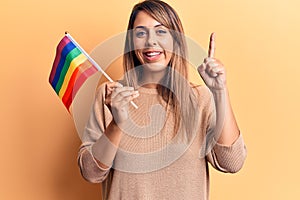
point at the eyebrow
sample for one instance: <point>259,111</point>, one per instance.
<point>144,27</point>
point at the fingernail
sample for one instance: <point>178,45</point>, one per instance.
<point>215,70</point>
<point>214,64</point>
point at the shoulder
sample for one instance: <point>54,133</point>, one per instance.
<point>100,91</point>
<point>101,87</point>
<point>101,111</point>
<point>99,95</point>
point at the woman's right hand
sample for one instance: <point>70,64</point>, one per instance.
<point>117,98</point>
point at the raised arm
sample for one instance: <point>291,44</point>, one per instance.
<point>229,151</point>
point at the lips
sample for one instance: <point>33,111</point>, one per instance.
<point>152,56</point>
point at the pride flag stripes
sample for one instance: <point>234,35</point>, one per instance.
<point>70,70</point>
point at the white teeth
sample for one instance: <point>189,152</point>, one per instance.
<point>150,54</point>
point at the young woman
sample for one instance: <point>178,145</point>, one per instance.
<point>160,150</point>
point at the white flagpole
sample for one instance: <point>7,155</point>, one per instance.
<point>94,62</point>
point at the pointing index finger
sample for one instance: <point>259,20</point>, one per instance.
<point>212,46</point>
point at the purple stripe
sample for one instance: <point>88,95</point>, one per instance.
<point>59,49</point>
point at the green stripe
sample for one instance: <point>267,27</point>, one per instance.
<point>71,56</point>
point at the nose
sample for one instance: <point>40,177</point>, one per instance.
<point>151,40</point>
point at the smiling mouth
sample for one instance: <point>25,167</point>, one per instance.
<point>152,55</point>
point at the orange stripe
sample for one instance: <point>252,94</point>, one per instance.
<point>76,62</point>
<point>79,82</point>
<point>71,83</point>
<point>79,76</point>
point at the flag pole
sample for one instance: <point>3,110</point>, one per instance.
<point>88,56</point>
<point>94,63</point>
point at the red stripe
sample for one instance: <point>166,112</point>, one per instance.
<point>68,103</point>
<point>76,81</point>
<point>59,49</point>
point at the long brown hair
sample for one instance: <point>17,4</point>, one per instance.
<point>174,87</point>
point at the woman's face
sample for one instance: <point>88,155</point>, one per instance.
<point>153,43</point>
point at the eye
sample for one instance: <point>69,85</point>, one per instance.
<point>140,34</point>
<point>161,32</point>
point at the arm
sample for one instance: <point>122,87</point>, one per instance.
<point>105,148</point>
<point>102,135</point>
<point>230,131</point>
<point>225,146</point>
<point>227,151</point>
<point>92,170</point>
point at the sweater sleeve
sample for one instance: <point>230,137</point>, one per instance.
<point>229,159</point>
<point>95,145</point>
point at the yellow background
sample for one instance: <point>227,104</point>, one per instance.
<point>258,41</point>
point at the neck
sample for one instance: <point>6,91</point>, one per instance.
<point>150,85</point>
<point>152,79</point>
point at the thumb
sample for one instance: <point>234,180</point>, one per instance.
<point>201,70</point>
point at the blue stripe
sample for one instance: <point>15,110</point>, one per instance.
<point>66,50</point>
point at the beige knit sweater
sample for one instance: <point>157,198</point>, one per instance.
<point>141,168</point>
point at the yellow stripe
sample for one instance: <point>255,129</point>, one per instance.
<point>74,64</point>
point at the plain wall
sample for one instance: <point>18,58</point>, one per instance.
<point>258,41</point>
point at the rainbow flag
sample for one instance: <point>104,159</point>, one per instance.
<point>70,70</point>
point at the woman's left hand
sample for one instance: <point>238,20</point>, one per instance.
<point>212,70</point>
